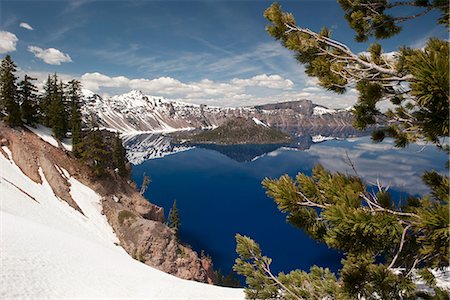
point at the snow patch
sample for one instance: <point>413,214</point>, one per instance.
<point>258,122</point>
<point>8,152</point>
<point>44,133</point>
<point>321,138</point>
<point>320,110</point>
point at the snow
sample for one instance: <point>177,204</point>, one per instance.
<point>321,138</point>
<point>258,122</point>
<point>45,133</point>
<point>50,250</point>
<point>320,110</point>
<point>142,147</point>
<point>8,152</point>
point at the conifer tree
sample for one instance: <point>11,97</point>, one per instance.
<point>46,100</point>
<point>28,99</point>
<point>173,220</point>
<point>73,96</point>
<point>57,110</point>
<point>384,243</point>
<point>119,156</point>
<point>95,152</point>
<point>415,81</point>
<point>9,97</point>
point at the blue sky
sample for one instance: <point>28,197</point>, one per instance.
<point>213,52</point>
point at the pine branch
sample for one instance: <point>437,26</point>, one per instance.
<point>380,208</point>
<point>349,55</point>
<point>402,241</point>
<point>266,268</point>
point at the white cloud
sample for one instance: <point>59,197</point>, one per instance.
<point>26,26</point>
<point>236,92</point>
<point>233,92</point>
<point>312,89</point>
<point>263,80</point>
<point>8,42</point>
<point>50,56</point>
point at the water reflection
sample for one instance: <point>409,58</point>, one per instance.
<point>219,196</point>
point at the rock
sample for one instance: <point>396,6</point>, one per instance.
<point>155,244</point>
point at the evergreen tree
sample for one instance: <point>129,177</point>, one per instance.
<point>57,110</point>
<point>377,17</point>
<point>384,243</point>
<point>28,99</point>
<point>73,95</point>
<point>173,220</point>
<point>119,156</point>
<point>95,152</point>
<point>414,80</point>
<point>46,100</point>
<point>9,97</point>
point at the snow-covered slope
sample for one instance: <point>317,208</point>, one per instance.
<point>45,133</point>
<point>149,146</point>
<point>50,250</point>
<point>135,112</point>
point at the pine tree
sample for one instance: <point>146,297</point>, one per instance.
<point>29,100</point>
<point>95,152</point>
<point>73,96</point>
<point>384,243</point>
<point>173,220</point>
<point>46,100</point>
<point>119,156</point>
<point>57,110</point>
<point>414,80</point>
<point>9,97</point>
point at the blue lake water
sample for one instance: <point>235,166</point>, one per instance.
<point>218,196</point>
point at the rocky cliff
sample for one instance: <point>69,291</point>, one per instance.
<point>137,223</point>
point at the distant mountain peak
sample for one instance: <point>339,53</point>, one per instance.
<point>135,112</point>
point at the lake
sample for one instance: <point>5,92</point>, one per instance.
<point>219,193</point>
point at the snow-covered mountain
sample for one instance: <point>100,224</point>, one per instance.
<point>135,112</point>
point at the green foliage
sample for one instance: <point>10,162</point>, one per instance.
<point>29,100</point>
<point>125,216</point>
<point>119,156</point>
<point>263,284</point>
<point>375,17</point>
<point>173,220</point>
<point>241,131</point>
<point>361,276</point>
<point>74,97</point>
<point>9,97</point>
<point>374,233</point>
<point>58,116</point>
<point>53,107</point>
<point>95,152</point>
<point>414,80</point>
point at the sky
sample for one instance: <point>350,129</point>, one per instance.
<point>206,52</point>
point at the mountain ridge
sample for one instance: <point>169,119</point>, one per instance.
<point>135,112</point>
